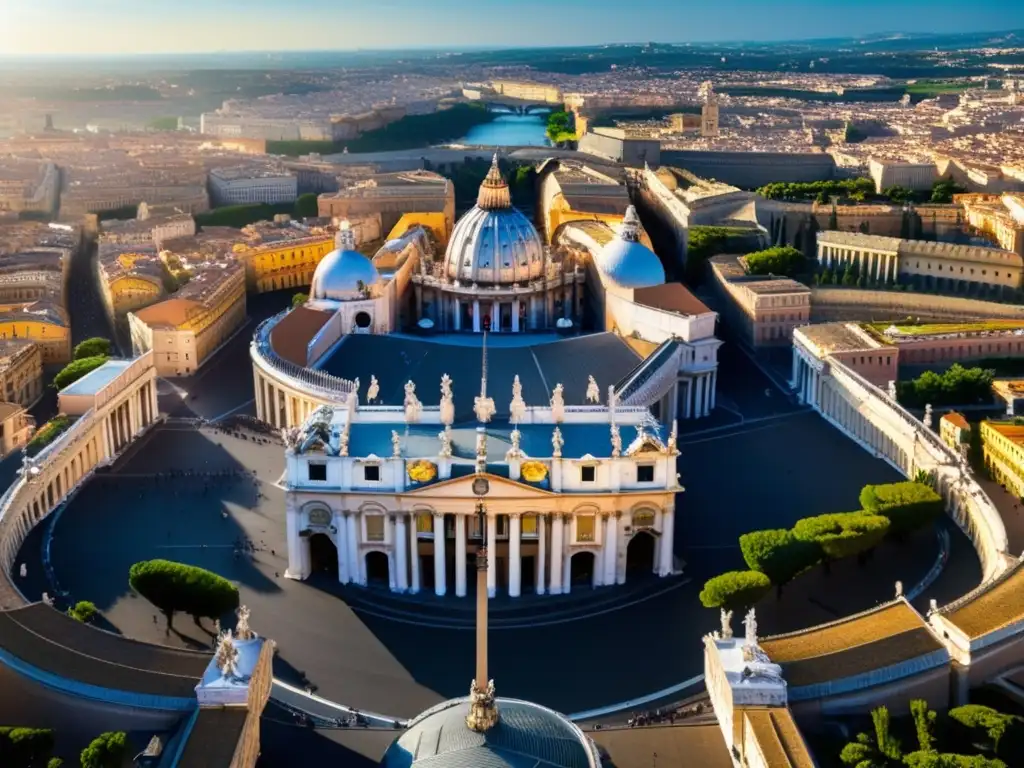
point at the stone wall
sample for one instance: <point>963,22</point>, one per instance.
<point>831,304</point>
<point>750,170</point>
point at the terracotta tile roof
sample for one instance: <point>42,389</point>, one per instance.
<point>881,637</point>
<point>957,420</point>
<point>673,297</point>
<point>778,737</point>
<point>701,745</point>
<point>292,334</point>
<point>168,314</point>
<point>1000,605</point>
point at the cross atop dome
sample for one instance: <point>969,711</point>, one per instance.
<point>630,226</point>
<point>494,192</point>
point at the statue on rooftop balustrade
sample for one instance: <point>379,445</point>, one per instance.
<point>373,391</point>
<point>558,404</point>
<point>593,392</point>
<point>413,406</point>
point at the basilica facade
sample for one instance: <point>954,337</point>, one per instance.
<point>576,495</point>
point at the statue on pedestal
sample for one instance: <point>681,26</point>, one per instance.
<point>446,442</point>
<point>557,443</point>
<point>726,618</point>
<point>447,401</point>
<point>928,415</point>
<point>616,441</point>
<point>514,452</point>
<point>413,406</point>
<point>396,445</point>
<point>558,404</point>
<point>226,657</point>
<point>343,442</point>
<point>517,408</point>
<point>593,393</point>
<point>673,439</point>
<point>373,391</point>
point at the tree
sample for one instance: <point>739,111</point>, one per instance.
<point>780,260</point>
<point>944,189</point>
<point>878,750</point>
<point>28,747</point>
<point>560,127</point>
<point>955,386</point>
<point>984,721</point>
<point>55,762</point>
<point>76,369</point>
<point>306,206</point>
<point>849,278</point>
<point>778,554</point>
<point>899,195</point>
<point>943,760</point>
<point>735,590</point>
<point>94,347</point>
<point>105,751</point>
<point>82,611</point>
<point>924,724</point>
<point>908,505</point>
<point>843,534</point>
<point>299,299</point>
<point>174,587</point>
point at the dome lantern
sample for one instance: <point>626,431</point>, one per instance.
<point>343,274</point>
<point>494,194</point>
<point>626,261</point>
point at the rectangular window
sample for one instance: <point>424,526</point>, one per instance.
<point>529,525</point>
<point>371,473</point>
<point>375,527</point>
<point>585,525</point>
<point>588,474</point>
<point>645,473</point>
<point>424,523</point>
<point>317,471</point>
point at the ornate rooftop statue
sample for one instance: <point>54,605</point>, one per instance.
<point>481,449</point>
<point>612,401</point>
<point>373,391</point>
<point>292,437</point>
<point>616,441</point>
<point>726,618</point>
<point>593,393</point>
<point>750,626</point>
<point>558,404</point>
<point>242,629</point>
<point>447,401</point>
<point>517,408</point>
<point>928,415</point>
<point>445,437</point>
<point>226,657</point>
<point>673,439</point>
<point>557,443</point>
<point>413,406</point>
<point>396,444</point>
<point>515,452</point>
<point>483,711</point>
<point>343,442</point>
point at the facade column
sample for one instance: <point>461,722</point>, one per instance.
<point>476,315</point>
<point>342,543</point>
<point>611,548</point>
<point>707,395</point>
<point>439,557</point>
<point>496,316</point>
<point>295,542</point>
<point>515,564</point>
<point>153,401</point>
<point>667,542</point>
<point>460,555</point>
<point>698,400</point>
<point>401,549</point>
<point>108,449</point>
<point>414,550</point>
<point>714,387</point>
<point>492,549</point>
<point>542,540</point>
<point>686,399</point>
<point>355,566</point>
<point>456,314</point>
<point>556,554</point>
<point>390,535</point>
<point>515,315</point>
<point>795,378</point>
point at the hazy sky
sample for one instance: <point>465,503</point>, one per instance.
<point>160,26</point>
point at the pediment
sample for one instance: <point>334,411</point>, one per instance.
<point>462,487</point>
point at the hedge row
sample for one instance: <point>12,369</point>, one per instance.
<point>777,556</point>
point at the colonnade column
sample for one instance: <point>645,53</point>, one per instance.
<point>390,535</point>
<point>492,550</point>
<point>414,547</point>
<point>515,315</point>
<point>456,314</point>
<point>153,401</point>
<point>439,558</point>
<point>542,540</point>
<point>794,380</point>
<point>514,560</point>
<point>556,555</point>
<point>476,315</point>
<point>460,555</point>
<point>401,548</point>
<point>667,543</point>
<point>714,387</point>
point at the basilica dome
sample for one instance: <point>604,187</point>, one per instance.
<point>525,734</point>
<point>626,261</point>
<point>494,244</point>
<point>344,273</point>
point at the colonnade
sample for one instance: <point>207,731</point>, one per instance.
<point>882,266</point>
<point>698,396</point>
<point>278,406</point>
<point>528,311</point>
<point>554,541</point>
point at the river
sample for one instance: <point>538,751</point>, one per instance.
<point>508,130</point>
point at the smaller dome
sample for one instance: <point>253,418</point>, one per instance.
<point>626,261</point>
<point>344,273</point>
